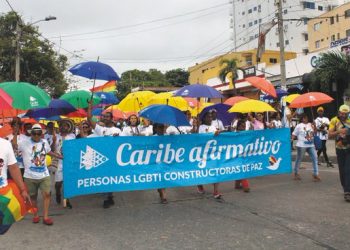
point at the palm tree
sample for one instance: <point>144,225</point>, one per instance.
<point>230,66</point>
<point>333,67</point>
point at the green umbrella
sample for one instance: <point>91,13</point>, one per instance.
<point>25,95</point>
<point>80,98</point>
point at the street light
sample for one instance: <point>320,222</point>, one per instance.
<point>18,38</point>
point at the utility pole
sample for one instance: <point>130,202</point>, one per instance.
<point>281,43</point>
<point>18,55</point>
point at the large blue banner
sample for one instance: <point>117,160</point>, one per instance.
<point>112,164</point>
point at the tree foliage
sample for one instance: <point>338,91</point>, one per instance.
<point>177,77</point>
<point>229,66</point>
<point>39,63</point>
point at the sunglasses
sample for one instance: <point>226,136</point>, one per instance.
<point>37,133</point>
<point>85,126</point>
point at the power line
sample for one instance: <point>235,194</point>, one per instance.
<point>143,23</point>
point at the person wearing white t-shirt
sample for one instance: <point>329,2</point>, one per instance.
<point>145,129</point>
<point>207,127</point>
<point>304,133</point>
<point>66,127</point>
<point>216,121</point>
<point>132,128</point>
<point>36,174</point>
<point>107,130</point>
<point>8,163</point>
<point>322,125</point>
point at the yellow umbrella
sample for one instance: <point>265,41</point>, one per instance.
<point>167,98</point>
<point>135,101</point>
<point>251,106</point>
<point>290,98</point>
<point>196,110</point>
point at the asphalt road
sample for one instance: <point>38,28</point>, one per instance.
<point>278,213</point>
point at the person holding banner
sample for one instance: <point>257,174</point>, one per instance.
<point>159,130</point>
<point>146,128</point>
<point>208,127</point>
<point>132,126</point>
<point>107,130</point>
<point>304,133</point>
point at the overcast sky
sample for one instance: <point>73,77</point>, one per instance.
<point>132,34</point>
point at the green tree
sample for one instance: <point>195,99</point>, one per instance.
<point>332,67</point>
<point>39,63</point>
<point>229,66</point>
<point>177,77</point>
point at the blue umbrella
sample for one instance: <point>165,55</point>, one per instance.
<point>165,114</point>
<point>198,90</point>
<point>56,107</point>
<point>107,98</point>
<point>97,112</point>
<point>94,70</point>
<point>279,92</point>
<point>221,111</point>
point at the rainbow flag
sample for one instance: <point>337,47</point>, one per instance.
<point>110,86</point>
<point>12,206</point>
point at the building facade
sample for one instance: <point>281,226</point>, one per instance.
<point>248,15</point>
<point>330,29</point>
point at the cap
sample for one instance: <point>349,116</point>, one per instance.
<point>344,108</point>
<point>320,109</point>
<point>36,127</point>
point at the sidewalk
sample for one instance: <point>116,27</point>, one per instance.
<point>330,152</point>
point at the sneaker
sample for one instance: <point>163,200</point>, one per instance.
<point>69,205</point>
<point>108,203</point>
<point>297,177</point>
<point>48,221</point>
<point>316,178</point>
<point>319,163</point>
<point>246,189</point>
<point>330,165</point>
<point>36,219</point>
<point>200,189</point>
<point>217,196</point>
<point>163,201</point>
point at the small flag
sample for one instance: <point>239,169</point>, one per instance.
<point>264,29</point>
<point>110,86</point>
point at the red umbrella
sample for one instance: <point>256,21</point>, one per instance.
<point>262,84</point>
<point>233,100</point>
<point>81,113</point>
<point>117,114</point>
<point>5,100</point>
<point>310,99</point>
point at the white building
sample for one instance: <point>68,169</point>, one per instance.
<point>247,15</point>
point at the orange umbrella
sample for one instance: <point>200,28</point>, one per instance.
<point>192,102</point>
<point>5,130</point>
<point>262,84</point>
<point>81,113</point>
<point>117,113</point>
<point>233,100</point>
<point>11,112</point>
<point>310,99</point>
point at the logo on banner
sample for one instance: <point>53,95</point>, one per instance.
<point>274,163</point>
<point>91,158</point>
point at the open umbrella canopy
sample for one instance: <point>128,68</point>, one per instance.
<point>25,95</point>
<point>5,100</point>
<point>221,111</point>
<point>107,98</point>
<point>192,102</point>
<point>197,91</point>
<point>11,112</point>
<point>80,98</point>
<point>310,99</point>
<point>167,98</point>
<point>291,97</point>
<point>94,70</point>
<point>56,108</point>
<point>280,93</point>
<point>117,113</point>
<point>135,101</point>
<point>80,113</point>
<point>248,106</point>
<point>165,114</point>
<point>262,84</point>
<point>233,100</point>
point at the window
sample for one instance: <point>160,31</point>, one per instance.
<point>243,13</point>
<point>347,13</point>
<point>318,44</point>
<point>273,60</point>
<point>256,22</point>
<point>260,20</point>
<point>250,11</point>
<point>250,24</point>
<point>277,45</point>
<point>287,42</point>
<point>255,8</point>
<point>316,26</point>
<point>256,35</point>
<point>331,20</point>
<point>320,8</point>
<point>347,33</point>
<point>243,26</point>
<point>259,8</point>
<point>305,20</point>
<point>309,5</point>
<point>251,38</point>
<point>306,37</point>
<point>338,36</point>
<point>333,38</point>
<point>337,18</point>
<point>285,11</point>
